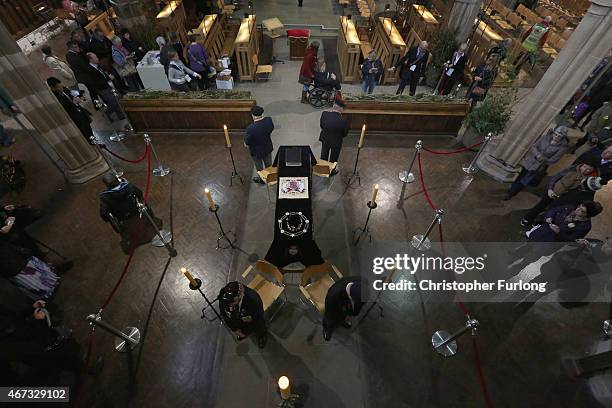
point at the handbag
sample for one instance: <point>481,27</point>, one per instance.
<point>478,90</point>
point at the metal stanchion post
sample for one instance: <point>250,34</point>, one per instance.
<point>445,344</point>
<point>118,172</point>
<point>222,234</point>
<point>422,242</point>
<point>406,176</point>
<point>359,232</point>
<point>162,237</point>
<point>457,91</point>
<point>444,67</point>
<point>118,136</point>
<point>471,168</point>
<point>234,171</point>
<point>128,338</point>
<point>160,170</point>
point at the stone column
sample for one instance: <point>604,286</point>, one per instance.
<point>19,79</point>
<point>589,43</point>
<point>461,18</point>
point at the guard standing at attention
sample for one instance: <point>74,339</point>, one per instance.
<point>242,311</point>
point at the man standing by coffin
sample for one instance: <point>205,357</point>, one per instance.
<point>412,67</point>
<point>258,140</point>
<point>334,128</point>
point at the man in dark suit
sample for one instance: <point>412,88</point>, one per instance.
<point>334,128</point>
<point>242,311</point>
<point>342,301</point>
<point>79,115</point>
<point>412,67</point>
<point>77,60</point>
<point>100,81</point>
<point>453,72</point>
<point>258,141</point>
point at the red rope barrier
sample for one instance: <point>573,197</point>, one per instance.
<point>135,237</point>
<point>425,191</point>
<point>144,155</point>
<point>481,379</point>
<point>133,245</point>
<point>464,309</point>
<point>465,149</point>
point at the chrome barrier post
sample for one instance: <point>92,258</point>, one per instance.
<point>445,344</point>
<point>422,242</point>
<point>127,339</point>
<point>471,168</point>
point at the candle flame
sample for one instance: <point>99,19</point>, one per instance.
<point>283,382</point>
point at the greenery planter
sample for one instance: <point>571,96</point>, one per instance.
<point>432,75</point>
<point>188,112</point>
<point>437,116</point>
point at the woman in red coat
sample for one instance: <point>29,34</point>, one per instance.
<point>309,65</point>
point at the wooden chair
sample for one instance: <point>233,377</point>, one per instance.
<point>270,176</point>
<point>315,283</point>
<point>324,168</point>
<point>261,69</point>
<point>269,283</point>
<point>514,19</point>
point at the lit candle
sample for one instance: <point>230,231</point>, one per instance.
<point>374,194</point>
<point>189,277</point>
<point>360,145</point>
<point>211,202</point>
<point>227,139</point>
<point>283,386</point>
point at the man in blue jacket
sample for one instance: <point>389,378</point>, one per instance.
<point>257,139</point>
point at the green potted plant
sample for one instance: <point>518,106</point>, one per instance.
<point>489,116</point>
<point>442,51</point>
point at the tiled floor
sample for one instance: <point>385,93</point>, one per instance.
<point>186,362</point>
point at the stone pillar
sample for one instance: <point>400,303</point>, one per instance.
<point>19,79</point>
<point>461,18</point>
<point>589,43</point>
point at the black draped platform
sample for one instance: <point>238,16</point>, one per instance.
<point>293,224</point>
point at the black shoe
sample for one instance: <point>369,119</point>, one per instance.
<point>326,334</point>
<point>347,324</point>
<point>262,340</point>
<point>333,172</point>
<point>525,222</point>
<point>62,268</point>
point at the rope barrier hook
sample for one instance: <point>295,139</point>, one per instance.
<point>446,344</point>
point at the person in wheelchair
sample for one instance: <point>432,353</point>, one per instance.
<point>326,87</point>
<point>118,206</point>
<point>326,80</point>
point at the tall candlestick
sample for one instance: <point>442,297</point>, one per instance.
<point>374,194</point>
<point>227,139</point>
<point>363,128</point>
<point>284,387</point>
<point>210,199</point>
<point>189,277</point>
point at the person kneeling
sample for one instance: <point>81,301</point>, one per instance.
<point>343,300</point>
<point>242,311</point>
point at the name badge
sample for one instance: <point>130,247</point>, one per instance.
<point>187,78</point>
<point>413,68</point>
<point>450,71</point>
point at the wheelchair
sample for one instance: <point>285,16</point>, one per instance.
<point>320,97</point>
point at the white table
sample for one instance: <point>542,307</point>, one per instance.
<point>153,76</point>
